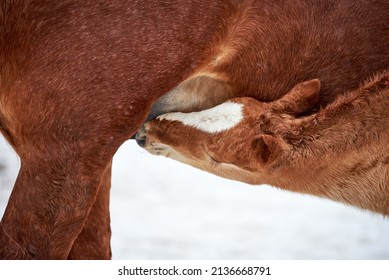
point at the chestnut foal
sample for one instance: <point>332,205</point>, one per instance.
<point>340,152</point>
<point>78,78</point>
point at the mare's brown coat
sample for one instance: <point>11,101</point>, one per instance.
<point>77,78</point>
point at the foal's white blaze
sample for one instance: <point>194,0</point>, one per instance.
<point>217,119</point>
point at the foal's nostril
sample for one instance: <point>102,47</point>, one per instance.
<point>140,137</point>
<point>140,140</point>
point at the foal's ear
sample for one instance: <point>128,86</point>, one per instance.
<point>301,98</point>
<point>267,149</point>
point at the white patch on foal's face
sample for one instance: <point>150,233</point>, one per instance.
<point>217,119</point>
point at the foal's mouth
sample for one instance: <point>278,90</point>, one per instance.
<point>213,160</point>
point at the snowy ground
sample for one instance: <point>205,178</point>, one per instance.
<point>165,210</point>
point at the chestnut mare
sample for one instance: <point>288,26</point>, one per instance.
<point>79,77</point>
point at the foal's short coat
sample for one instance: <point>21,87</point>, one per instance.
<point>340,151</point>
<point>78,78</point>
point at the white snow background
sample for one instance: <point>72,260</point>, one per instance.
<point>162,209</point>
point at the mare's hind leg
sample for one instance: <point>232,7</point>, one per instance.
<point>94,240</point>
<point>53,195</point>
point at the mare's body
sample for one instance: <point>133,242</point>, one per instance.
<point>77,78</point>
